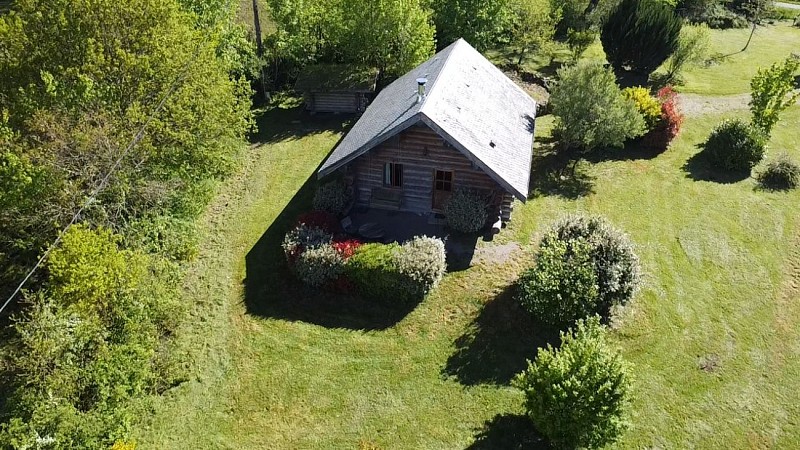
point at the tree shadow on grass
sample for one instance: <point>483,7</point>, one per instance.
<point>643,148</point>
<point>700,168</point>
<point>498,343</point>
<point>557,174</point>
<point>511,432</point>
<point>283,122</point>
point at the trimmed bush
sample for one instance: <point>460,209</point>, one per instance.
<point>422,262</point>
<point>373,271</point>
<point>647,105</point>
<point>617,267</point>
<point>578,395</point>
<point>320,265</point>
<point>466,211</point>
<point>333,197</point>
<point>301,238</point>
<point>781,173</point>
<point>735,145</point>
<point>562,287</point>
<point>398,272</point>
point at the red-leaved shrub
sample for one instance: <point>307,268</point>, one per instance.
<point>671,117</point>
<point>322,220</point>
<point>670,122</point>
<point>346,247</point>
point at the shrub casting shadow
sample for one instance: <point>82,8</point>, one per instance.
<point>271,290</point>
<point>642,148</point>
<point>498,343</point>
<point>511,432</point>
<point>556,174</point>
<point>700,168</point>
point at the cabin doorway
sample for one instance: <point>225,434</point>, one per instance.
<point>442,188</point>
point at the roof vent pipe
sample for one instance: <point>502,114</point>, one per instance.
<point>421,82</point>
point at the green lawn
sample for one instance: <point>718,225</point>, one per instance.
<point>732,74</point>
<point>274,366</point>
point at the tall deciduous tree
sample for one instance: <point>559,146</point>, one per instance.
<point>392,35</point>
<point>534,26</point>
<point>481,22</point>
<point>772,93</point>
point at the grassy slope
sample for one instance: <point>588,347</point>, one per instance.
<point>715,256</point>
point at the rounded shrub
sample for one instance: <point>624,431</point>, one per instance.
<point>578,395</point>
<point>562,286</point>
<point>616,264</point>
<point>781,173</point>
<point>333,197</point>
<point>320,265</point>
<point>422,261</point>
<point>735,145</point>
<point>372,270</point>
<point>466,211</point>
<point>301,238</point>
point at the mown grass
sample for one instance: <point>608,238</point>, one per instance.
<point>712,334</point>
<point>730,70</point>
<point>714,256</point>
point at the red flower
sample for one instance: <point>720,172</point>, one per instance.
<point>346,247</point>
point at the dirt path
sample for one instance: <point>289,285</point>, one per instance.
<point>787,5</point>
<point>698,105</point>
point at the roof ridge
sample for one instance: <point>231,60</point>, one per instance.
<point>447,59</point>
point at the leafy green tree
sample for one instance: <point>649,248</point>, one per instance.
<point>77,81</point>
<point>640,35</point>
<point>534,26</point>
<point>573,15</point>
<point>772,93</point>
<point>89,344</point>
<point>578,394</point>
<point>590,109</point>
<point>481,22</point>
<point>562,287</point>
<point>392,35</point>
<point>693,45</point>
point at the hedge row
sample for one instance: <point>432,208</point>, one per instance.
<point>393,271</point>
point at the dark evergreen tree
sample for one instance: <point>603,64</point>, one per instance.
<point>640,35</point>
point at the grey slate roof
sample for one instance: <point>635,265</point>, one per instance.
<point>469,102</point>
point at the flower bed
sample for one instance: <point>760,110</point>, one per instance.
<point>392,272</point>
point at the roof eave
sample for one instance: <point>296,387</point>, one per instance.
<point>372,143</point>
<point>475,160</point>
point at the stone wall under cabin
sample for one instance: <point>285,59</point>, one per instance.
<point>421,151</point>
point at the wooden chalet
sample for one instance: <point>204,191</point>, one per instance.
<point>455,121</point>
<point>337,88</point>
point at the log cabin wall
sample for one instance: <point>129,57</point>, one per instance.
<point>337,102</point>
<point>421,151</point>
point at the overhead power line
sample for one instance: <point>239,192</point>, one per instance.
<point>104,181</point>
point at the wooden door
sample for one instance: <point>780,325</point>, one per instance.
<point>442,188</point>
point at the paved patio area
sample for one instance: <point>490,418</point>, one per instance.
<point>397,226</point>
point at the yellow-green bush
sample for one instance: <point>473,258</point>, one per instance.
<point>647,105</point>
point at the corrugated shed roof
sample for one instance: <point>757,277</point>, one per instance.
<point>469,102</point>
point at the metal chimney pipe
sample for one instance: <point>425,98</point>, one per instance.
<point>421,82</point>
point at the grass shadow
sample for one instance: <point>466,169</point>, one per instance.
<point>642,148</point>
<point>700,168</point>
<point>498,343</point>
<point>289,120</point>
<point>270,289</point>
<point>511,432</point>
<point>557,174</point>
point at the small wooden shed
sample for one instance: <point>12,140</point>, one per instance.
<point>337,88</point>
